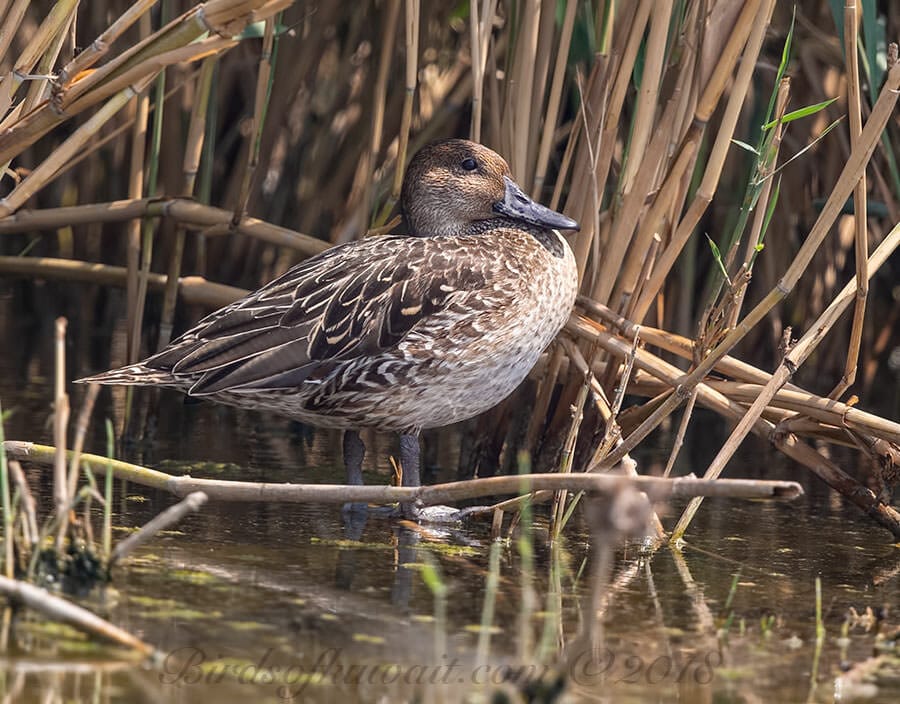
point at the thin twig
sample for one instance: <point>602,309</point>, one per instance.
<point>191,503</point>
<point>81,427</point>
<point>682,429</point>
<point>29,508</point>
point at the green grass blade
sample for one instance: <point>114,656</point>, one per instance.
<point>744,145</point>
<point>800,113</point>
<point>717,255</point>
<point>782,65</point>
<point>810,145</point>
<point>770,209</point>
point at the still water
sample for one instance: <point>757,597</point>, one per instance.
<point>271,603</point>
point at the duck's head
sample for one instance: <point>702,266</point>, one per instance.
<point>453,183</point>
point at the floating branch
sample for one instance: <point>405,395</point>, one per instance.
<point>656,488</point>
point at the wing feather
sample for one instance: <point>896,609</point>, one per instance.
<point>351,301</point>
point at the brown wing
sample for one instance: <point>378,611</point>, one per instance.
<point>352,301</point>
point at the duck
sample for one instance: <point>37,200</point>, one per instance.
<point>397,333</point>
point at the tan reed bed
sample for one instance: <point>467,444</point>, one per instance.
<point>635,121</point>
<point>649,212</point>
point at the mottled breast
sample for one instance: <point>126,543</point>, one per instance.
<point>473,354</point>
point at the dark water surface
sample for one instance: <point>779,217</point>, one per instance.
<point>266,603</point>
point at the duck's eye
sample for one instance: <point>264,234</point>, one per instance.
<point>469,164</point>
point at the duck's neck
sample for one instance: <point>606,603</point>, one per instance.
<point>551,240</point>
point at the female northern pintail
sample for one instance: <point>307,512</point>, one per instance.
<point>397,333</point>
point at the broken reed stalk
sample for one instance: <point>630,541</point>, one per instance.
<point>796,356</point>
<point>788,415</point>
<point>611,434</point>
<point>193,214</point>
<point>178,33</point>
<point>860,200</point>
<point>565,461</point>
<point>30,529</point>
<point>178,41</point>
<point>110,134</point>
<point>192,289</point>
<point>679,436</point>
<point>191,503</point>
<point>657,489</point>
<point>81,427</point>
<point>59,609</point>
<point>60,426</point>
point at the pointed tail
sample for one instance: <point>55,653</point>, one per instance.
<point>132,375</point>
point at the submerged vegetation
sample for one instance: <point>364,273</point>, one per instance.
<point>733,166</point>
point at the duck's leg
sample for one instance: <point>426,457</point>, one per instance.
<point>410,461</point>
<point>354,453</point>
